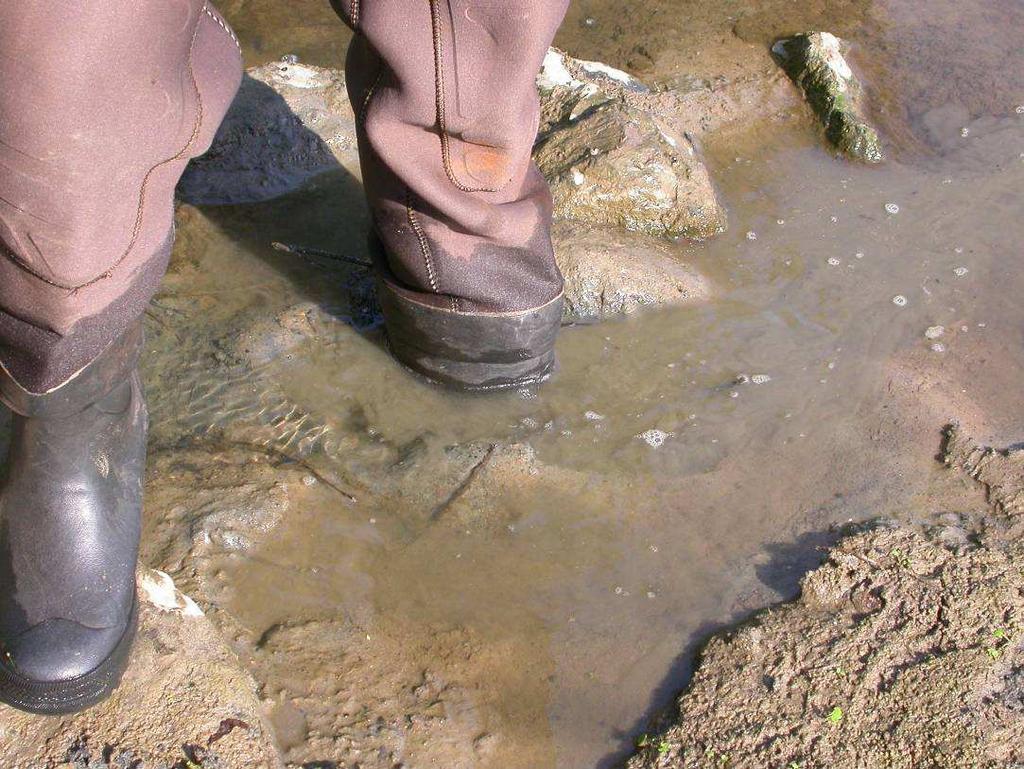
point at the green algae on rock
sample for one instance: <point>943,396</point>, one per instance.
<point>815,62</point>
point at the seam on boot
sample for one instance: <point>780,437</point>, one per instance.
<point>439,97</point>
<point>421,236</point>
<point>137,226</point>
<point>365,106</point>
<point>353,13</point>
<point>223,25</point>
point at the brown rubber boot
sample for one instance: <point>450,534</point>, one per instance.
<point>447,117</point>
<point>102,104</point>
<point>70,518</point>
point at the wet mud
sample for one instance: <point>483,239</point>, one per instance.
<point>414,577</point>
<point>520,580</point>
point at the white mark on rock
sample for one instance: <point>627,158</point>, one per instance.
<point>158,588</point>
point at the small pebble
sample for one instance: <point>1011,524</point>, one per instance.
<point>899,300</point>
<point>308,480</point>
<point>965,132</point>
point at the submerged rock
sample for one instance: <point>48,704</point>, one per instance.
<point>609,272</point>
<point>185,701</point>
<point>610,161</point>
<point>815,62</point>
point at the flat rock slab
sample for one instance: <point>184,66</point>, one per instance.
<point>289,123</point>
<point>611,157</point>
<point>185,702</point>
<point>608,272</point>
<point>615,156</point>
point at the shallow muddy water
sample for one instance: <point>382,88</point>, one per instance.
<point>518,580</point>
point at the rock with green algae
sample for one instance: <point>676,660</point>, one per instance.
<point>815,62</point>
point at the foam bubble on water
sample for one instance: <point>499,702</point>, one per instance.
<point>938,347</point>
<point>760,379</point>
<point>654,437</point>
<point>960,271</point>
<point>899,300</point>
<point>833,261</point>
<point>892,208</point>
<point>593,416</point>
<point>751,235</point>
<point>934,332</point>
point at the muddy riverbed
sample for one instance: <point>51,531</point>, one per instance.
<point>519,581</point>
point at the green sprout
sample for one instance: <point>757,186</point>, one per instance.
<point>836,715</point>
<point>901,558</point>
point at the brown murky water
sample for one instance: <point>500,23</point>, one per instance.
<point>408,596</point>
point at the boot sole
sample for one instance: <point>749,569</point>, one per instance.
<point>56,698</point>
<point>470,351</point>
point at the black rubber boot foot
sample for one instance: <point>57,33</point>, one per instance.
<point>471,351</point>
<point>56,698</point>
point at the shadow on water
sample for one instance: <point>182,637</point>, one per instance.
<point>782,572</point>
<point>323,217</point>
